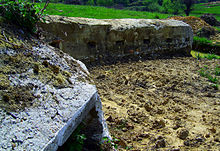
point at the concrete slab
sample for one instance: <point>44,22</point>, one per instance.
<point>56,109</point>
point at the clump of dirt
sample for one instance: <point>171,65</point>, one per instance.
<point>160,104</point>
<point>200,28</point>
<point>195,22</point>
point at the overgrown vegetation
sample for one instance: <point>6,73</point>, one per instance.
<point>22,13</point>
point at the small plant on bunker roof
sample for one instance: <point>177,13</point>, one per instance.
<point>23,13</point>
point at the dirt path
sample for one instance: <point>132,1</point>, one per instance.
<point>160,104</point>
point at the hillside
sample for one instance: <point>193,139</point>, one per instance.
<point>101,12</point>
<point>98,12</point>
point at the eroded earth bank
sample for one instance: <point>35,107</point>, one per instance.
<point>161,104</point>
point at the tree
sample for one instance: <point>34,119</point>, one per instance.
<point>173,6</point>
<point>104,2</point>
<point>90,2</point>
<point>188,4</point>
<point>122,2</point>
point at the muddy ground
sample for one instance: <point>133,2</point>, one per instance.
<point>161,104</point>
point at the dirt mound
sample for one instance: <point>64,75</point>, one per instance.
<point>210,19</point>
<point>195,22</point>
<point>160,104</point>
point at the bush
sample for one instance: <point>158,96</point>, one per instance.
<point>154,7</point>
<point>22,13</point>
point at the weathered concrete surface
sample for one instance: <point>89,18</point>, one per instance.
<point>95,38</point>
<point>61,96</point>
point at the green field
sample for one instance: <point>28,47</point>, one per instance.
<point>98,12</point>
<point>110,13</point>
<point>200,9</point>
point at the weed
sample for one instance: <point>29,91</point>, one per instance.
<point>202,72</point>
<point>22,13</point>
<point>217,28</point>
<point>211,75</point>
<point>75,141</point>
<point>109,143</point>
<point>216,86</point>
<point>212,56</point>
<point>200,55</point>
<point>217,71</point>
<point>212,79</point>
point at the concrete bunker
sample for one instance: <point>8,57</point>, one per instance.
<point>118,37</point>
<point>84,38</point>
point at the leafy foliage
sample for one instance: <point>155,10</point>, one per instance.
<point>22,13</point>
<point>172,6</point>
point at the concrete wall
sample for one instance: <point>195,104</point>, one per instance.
<point>92,38</point>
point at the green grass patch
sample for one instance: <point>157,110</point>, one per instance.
<point>211,75</point>
<point>98,12</point>
<point>202,40</point>
<point>200,55</point>
<point>110,13</point>
<point>200,9</point>
<point>205,45</point>
<point>217,28</point>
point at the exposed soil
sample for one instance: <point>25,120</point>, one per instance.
<point>161,104</point>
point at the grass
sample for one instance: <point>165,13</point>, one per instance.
<point>217,28</point>
<point>110,13</point>
<point>200,55</point>
<point>202,40</point>
<point>205,45</point>
<point>200,9</point>
<point>98,12</point>
<point>211,74</point>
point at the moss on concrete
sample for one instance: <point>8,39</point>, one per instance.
<point>24,61</point>
<point>4,82</point>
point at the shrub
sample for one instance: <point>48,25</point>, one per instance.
<point>22,13</point>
